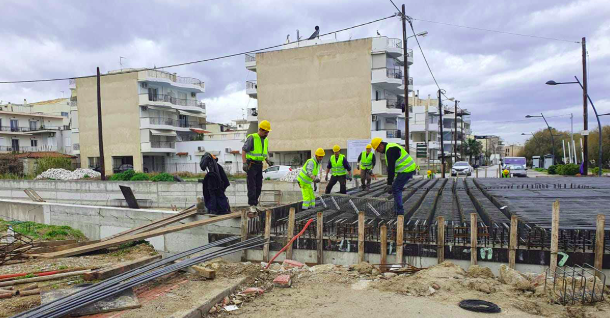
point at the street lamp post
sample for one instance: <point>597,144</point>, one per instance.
<point>550,132</point>
<point>599,125</point>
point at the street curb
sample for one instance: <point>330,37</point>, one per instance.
<point>202,309</point>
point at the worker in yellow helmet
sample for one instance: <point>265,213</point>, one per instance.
<point>401,168</point>
<point>308,176</point>
<point>430,174</point>
<point>340,171</point>
<point>254,152</point>
<point>367,162</point>
<point>505,173</point>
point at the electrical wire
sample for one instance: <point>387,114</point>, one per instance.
<point>496,31</point>
<point>192,62</point>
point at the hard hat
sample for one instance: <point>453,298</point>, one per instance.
<point>336,148</point>
<point>320,152</point>
<point>265,125</point>
<point>369,146</point>
<point>505,171</point>
<point>429,171</point>
<point>375,142</point>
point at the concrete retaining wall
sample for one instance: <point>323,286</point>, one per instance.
<point>99,222</point>
<point>159,194</point>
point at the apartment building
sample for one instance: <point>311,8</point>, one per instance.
<point>22,129</point>
<point>318,93</point>
<point>145,114</point>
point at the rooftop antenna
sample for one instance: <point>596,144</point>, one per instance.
<point>121,61</point>
<point>288,38</point>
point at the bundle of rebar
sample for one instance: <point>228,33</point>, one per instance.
<point>117,284</point>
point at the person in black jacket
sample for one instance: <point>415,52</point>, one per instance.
<point>215,184</point>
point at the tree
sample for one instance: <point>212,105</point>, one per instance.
<point>473,148</point>
<point>540,144</point>
<point>594,146</point>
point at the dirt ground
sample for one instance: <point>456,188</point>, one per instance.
<point>14,305</point>
<point>333,291</point>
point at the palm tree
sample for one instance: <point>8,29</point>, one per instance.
<point>473,148</point>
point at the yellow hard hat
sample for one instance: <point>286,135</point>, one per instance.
<point>375,142</point>
<point>336,148</point>
<point>320,152</point>
<point>265,125</point>
<point>429,171</point>
<point>505,171</point>
<point>369,146</point>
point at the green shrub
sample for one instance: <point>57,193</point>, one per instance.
<point>568,170</point>
<point>163,177</point>
<point>552,169</point>
<point>10,164</point>
<point>140,177</point>
<point>595,171</point>
<point>129,174</point>
<point>45,163</point>
<point>123,176</point>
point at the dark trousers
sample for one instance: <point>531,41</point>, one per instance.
<point>399,183</point>
<point>255,183</point>
<point>342,184</point>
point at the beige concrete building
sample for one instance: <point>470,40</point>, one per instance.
<point>144,112</point>
<point>318,93</point>
<point>22,129</point>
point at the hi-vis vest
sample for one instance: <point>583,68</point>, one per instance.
<point>259,153</point>
<point>337,165</point>
<point>405,163</point>
<point>366,160</point>
<point>303,177</point>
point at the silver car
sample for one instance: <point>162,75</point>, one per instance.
<point>461,167</point>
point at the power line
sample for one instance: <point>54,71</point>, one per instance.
<point>192,62</point>
<point>497,31</point>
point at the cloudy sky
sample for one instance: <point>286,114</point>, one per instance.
<point>499,78</point>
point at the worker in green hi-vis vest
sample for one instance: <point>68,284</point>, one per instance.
<point>367,163</point>
<point>254,152</point>
<point>340,171</point>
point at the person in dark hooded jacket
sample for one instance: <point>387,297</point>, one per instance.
<point>215,183</point>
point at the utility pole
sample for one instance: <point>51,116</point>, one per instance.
<point>462,139</point>
<point>406,80</point>
<point>455,132</point>
<point>585,107</point>
<point>99,126</point>
<point>572,137</point>
<point>440,122</point>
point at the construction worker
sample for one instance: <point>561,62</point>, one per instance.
<point>254,152</point>
<point>401,168</point>
<point>430,174</point>
<point>340,170</point>
<point>367,162</point>
<point>308,176</point>
<point>505,173</point>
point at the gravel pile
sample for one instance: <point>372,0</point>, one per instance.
<point>291,176</point>
<point>63,174</point>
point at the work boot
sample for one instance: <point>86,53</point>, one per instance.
<point>252,212</point>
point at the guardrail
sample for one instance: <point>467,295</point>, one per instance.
<point>27,129</point>
<point>175,78</point>
<point>174,100</point>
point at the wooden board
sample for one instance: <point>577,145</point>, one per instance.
<point>125,300</point>
<point>138,237</point>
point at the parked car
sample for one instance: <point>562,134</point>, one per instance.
<point>276,172</point>
<point>517,171</point>
<point>122,168</point>
<point>461,167</point>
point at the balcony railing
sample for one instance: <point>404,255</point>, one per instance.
<point>393,104</point>
<point>395,43</point>
<point>162,121</point>
<point>174,100</point>
<point>410,53</point>
<point>191,124</point>
<point>73,103</point>
<point>250,58</point>
<point>251,85</point>
<point>394,73</point>
<point>175,78</point>
<point>75,146</point>
<point>27,129</point>
<point>162,144</point>
<point>28,149</point>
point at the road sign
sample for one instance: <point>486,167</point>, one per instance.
<point>421,150</point>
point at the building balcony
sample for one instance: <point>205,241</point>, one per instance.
<point>72,83</point>
<point>13,129</point>
<point>390,79</point>
<point>402,86</point>
<point>251,88</point>
<point>168,101</point>
<point>159,146</point>
<point>252,115</point>
<point>250,62</point>
<point>388,135</point>
<point>11,149</point>
<point>171,78</point>
<point>401,58</point>
<point>166,123</point>
<point>386,107</point>
<point>390,46</point>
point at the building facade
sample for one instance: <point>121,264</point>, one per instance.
<point>318,93</point>
<point>22,129</point>
<point>145,114</point>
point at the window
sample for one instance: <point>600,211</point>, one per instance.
<point>33,125</point>
<point>34,143</point>
<point>152,94</point>
<point>15,144</point>
<point>14,125</point>
<point>64,114</point>
<point>390,121</point>
<point>94,162</point>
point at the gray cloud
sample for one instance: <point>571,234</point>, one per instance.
<point>498,77</point>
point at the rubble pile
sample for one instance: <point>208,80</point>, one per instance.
<point>291,176</point>
<point>63,174</point>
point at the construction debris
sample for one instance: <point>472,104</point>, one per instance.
<point>282,281</point>
<point>63,174</point>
